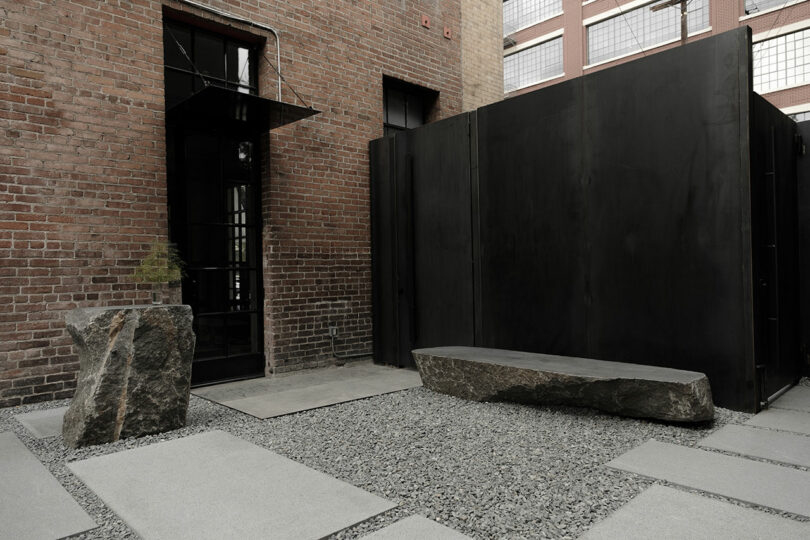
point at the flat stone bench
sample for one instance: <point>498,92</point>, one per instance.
<point>634,390</point>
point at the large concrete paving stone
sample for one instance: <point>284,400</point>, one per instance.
<point>414,527</point>
<point>797,399</point>
<point>43,424</point>
<point>214,485</point>
<point>763,484</point>
<point>782,419</point>
<point>33,504</point>
<point>664,513</point>
<point>482,374</point>
<point>310,389</point>
<point>761,443</point>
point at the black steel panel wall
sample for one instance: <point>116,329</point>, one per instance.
<point>621,228</point>
<point>441,250</point>
<point>619,216</point>
<point>803,197</point>
<point>533,251</point>
<point>774,144</point>
<point>383,245</point>
<point>421,240</point>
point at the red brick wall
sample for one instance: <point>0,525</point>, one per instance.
<point>82,166</point>
<point>316,198</point>
<point>82,181</point>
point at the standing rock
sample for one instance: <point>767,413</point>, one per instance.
<point>134,372</point>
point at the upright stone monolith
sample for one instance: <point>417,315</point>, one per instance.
<point>134,374</point>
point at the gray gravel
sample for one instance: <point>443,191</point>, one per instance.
<point>487,470</point>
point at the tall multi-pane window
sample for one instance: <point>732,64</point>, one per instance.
<point>755,6</point>
<point>641,29</point>
<point>522,13</point>
<point>782,61</point>
<point>533,65</point>
<point>191,55</point>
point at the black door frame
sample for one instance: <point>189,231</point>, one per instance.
<point>225,367</point>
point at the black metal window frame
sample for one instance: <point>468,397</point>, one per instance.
<point>417,102</point>
<point>172,28</point>
<point>640,29</point>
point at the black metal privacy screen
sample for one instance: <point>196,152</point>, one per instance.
<point>645,213</point>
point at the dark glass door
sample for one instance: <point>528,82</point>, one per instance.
<point>215,221</point>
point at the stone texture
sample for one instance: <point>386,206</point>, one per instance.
<point>665,513</point>
<point>416,527</point>
<point>769,444</point>
<point>310,389</point>
<point>134,374</point>
<point>45,423</point>
<point>217,486</point>
<point>782,419</point>
<point>33,504</point>
<point>796,399</point>
<point>481,374</point>
<point>773,486</point>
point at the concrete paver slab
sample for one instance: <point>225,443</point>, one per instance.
<point>764,484</point>
<point>416,527</point>
<point>795,421</point>
<point>214,485</point>
<point>665,513</point>
<point>33,504</point>
<point>797,399</point>
<point>43,424</point>
<point>761,443</point>
<point>276,396</point>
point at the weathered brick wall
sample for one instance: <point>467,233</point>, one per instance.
<point>316,198</point>
<point>82,181</point>
<point>481,52</point>
<point>82,165</point>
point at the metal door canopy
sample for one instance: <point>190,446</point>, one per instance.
<point>624,216</point>
<point>214,106</point>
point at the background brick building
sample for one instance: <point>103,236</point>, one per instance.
<point>547,41</point>
<point>83,164</point>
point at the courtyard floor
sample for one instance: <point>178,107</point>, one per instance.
<point>485,470</point>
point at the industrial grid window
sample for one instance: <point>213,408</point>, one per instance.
<point>782,61</point>
<point>533,65</point>
<point>521,13</point>
<point>641,29</point>
<point>800,116</point>
<point>755,6</point>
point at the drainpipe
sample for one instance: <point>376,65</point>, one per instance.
<point>234,18</point>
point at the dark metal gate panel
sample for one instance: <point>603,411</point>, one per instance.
<point>532,243</point>
<point>622,216</point>
<point>667,198</point>
<point>383,246</point>
<point>803,196</point>
<point>441,249</point>
<point>422,267</point>
<point>774,192</point>
<point>615,216</point>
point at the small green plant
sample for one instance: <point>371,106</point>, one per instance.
<point>163,264</point>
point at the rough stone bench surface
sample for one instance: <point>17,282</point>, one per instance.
<point>481,374</point>
<point>134,372</point>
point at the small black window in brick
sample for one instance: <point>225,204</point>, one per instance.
<point>405,105</point>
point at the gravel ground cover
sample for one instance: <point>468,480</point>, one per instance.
<point>489,470</point>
